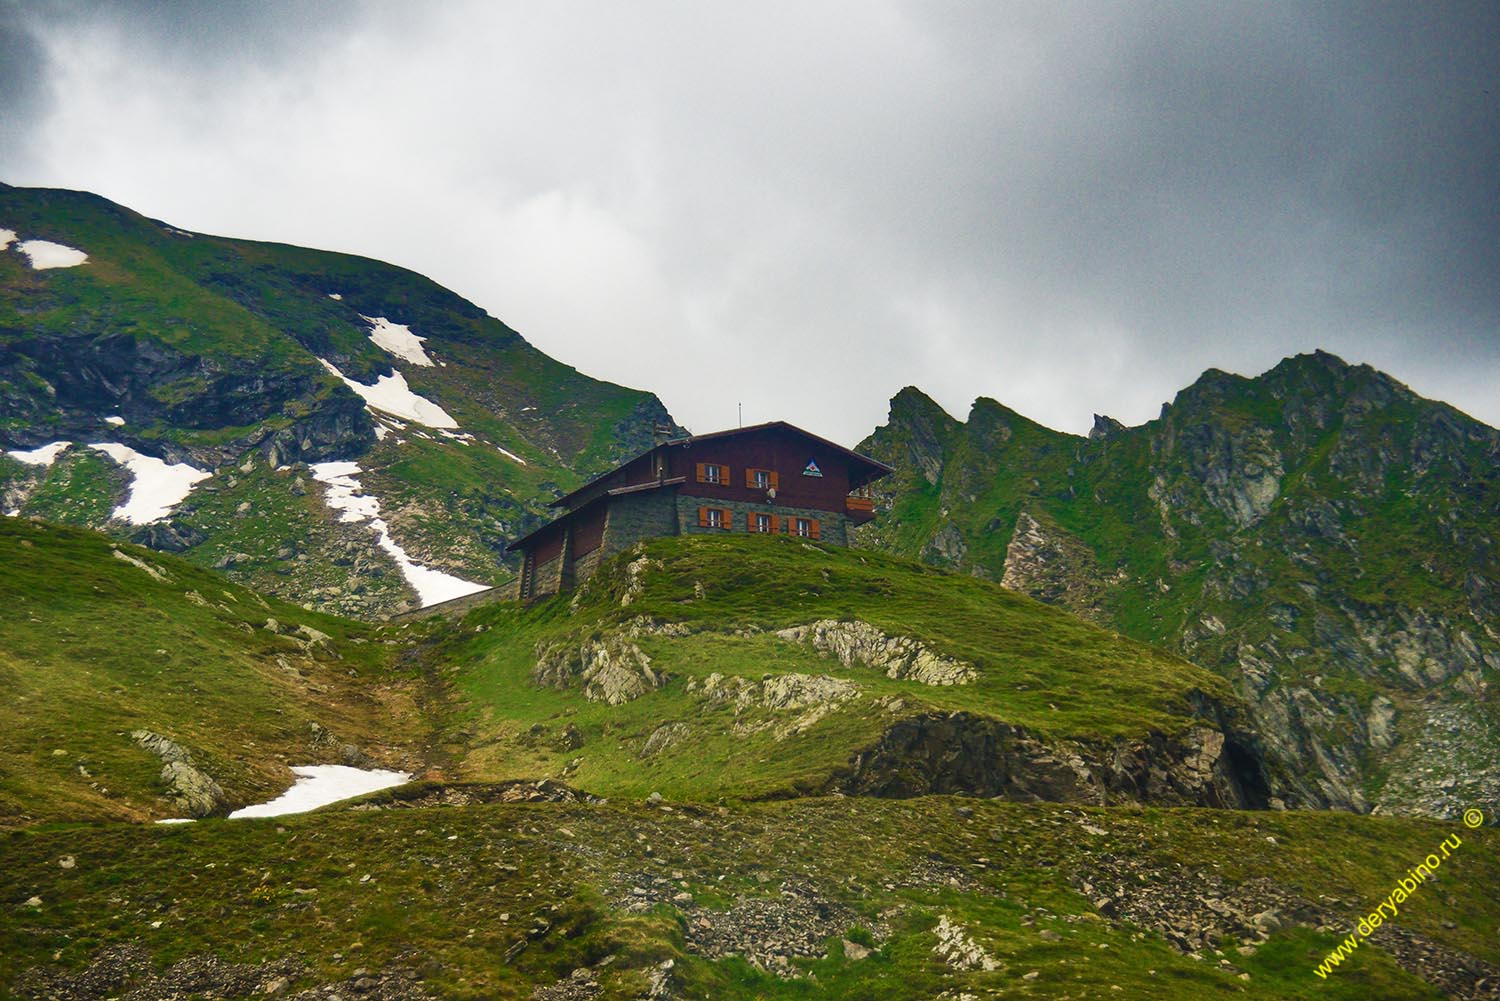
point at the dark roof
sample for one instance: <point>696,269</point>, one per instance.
<point>879,468</point>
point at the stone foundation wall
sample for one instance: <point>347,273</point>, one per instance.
<point>548,577</point>
<point>633,517</point>
<point>832,527</point>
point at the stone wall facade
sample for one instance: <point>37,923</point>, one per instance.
<point>832,527</point>
<point>633,517</point>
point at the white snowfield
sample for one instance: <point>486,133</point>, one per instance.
<point>7,237</point>
<point>114,419</point>
<point>344,496</point>
<point>156,487</point>
<point>46,455</point>
<point>511,455</point>
<point>398,340</point>
<point>319,785</point>
<point>390,394</point>
<point>45,254</point>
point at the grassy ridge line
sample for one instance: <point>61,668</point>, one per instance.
<point>94,646</point>
<point>448,892</point>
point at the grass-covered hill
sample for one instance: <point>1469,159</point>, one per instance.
<point>1319,535</point>
<point>865,898</point>
<point>100,639</point>
<point>765,667</point>
<point>211,351</point>
<point>734,810</point>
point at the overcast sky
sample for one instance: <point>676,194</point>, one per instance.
<point>806,206</point>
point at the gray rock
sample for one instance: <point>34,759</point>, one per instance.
<point>193,790</point>
<point>857,643</point>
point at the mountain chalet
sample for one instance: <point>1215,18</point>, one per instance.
<point>771,479</point>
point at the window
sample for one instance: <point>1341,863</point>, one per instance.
<point>710,472</point>
<point>762,523</point>
<point>807,528</point>
<point>761,479</point>
<point>714,517</point>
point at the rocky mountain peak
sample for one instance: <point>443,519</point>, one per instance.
<point>1104,427</point>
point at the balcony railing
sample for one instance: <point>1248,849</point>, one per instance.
<point>862,505</point>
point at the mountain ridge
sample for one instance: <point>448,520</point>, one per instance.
<point>253,360</point>
<point>1260,525</point>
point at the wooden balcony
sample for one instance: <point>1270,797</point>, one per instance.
<point>859,509</point>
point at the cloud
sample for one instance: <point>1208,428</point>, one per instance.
<point>803,208</point>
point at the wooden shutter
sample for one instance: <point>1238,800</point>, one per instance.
<point>702,476</point>
<point>702,515</point>
<point>775,480</point>
<point>749,477</point>
<point>728,518</point>
<point>815,534</point>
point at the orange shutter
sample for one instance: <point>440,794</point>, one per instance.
<point>702,476</point>
<point>775,480</point>
<point>815,529</point>
<point>703,517</point>
<point>749,477</point>
<point>728,518</point>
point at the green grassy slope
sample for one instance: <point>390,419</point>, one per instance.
<point>100,638</point>
<point>1038,668</point>
<point>209,348</point>
<point>498,901</point>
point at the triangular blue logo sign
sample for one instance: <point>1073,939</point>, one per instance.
<point>811,469</point>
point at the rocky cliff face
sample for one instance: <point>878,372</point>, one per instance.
<point>1320,535</point>
<point>974,755</point>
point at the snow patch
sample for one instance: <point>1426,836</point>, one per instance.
<point>511,455</point>
<point>7,237</point>
<point>344,496</point>
<point>381,431</point>
<point>391,394</point>
<point>319,785</point>
<point>156,487</point>
<point>44,456</point>
<point>114,419</point>
<point>45,254</point>
<point>335,297</point>
<point>462,437</point>
<point>397,339</point>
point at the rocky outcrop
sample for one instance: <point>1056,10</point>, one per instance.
<point>969,754</point>
<point>609,668</point>
<point>859,644</point>
<point>192,789</point>
<point>787,704</point>
<point>959,950</point>
<point>1053,566</point>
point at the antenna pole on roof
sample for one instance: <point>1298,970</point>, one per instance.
<point>741,407</point>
